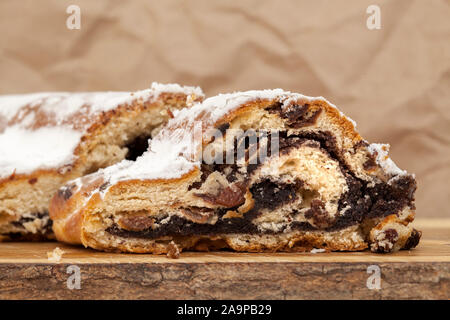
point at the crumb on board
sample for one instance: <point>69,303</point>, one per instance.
<point>314,250</point>
<point>173,251</point>
<point>55,255</point>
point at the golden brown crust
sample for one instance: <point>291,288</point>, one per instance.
<point>67,212</point>
<point>295,242</point>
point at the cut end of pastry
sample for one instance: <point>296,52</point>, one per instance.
<point>253,171</point>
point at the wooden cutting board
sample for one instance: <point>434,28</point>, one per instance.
<point>423,273</point>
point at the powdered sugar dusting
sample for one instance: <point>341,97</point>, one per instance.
<point>63,105</point>
<point>10,104</point>
<point>380,151</point>
<point>218,106</point>
<point>168,164</point>
<point>159,88</point>
<point>47,147</point>
<point>167,158</point>
<point>173,152</point>
<point>24,149</point>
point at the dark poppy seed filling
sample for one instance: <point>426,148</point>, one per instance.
<point>46,228</point>
<point>178,226</point>
<point>31,218</point>
<point>361,201</point>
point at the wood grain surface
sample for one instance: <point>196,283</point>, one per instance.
<point>422,273</point>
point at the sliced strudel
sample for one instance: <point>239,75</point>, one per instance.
<point>249,171</point>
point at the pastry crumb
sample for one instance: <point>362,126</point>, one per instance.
<point>314,250</point>
<point>55,255</point>
<point>173,251</point>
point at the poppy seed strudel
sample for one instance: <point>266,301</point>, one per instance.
<point>251,171</point>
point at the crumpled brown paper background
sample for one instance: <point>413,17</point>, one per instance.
<point>395,82</point>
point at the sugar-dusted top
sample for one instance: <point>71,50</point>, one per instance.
<point>42,130</point>
<point>172,152</point>
<point>63,105</point>
<point>381,151</point>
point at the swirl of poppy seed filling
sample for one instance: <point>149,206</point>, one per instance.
<point>360,201</point>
